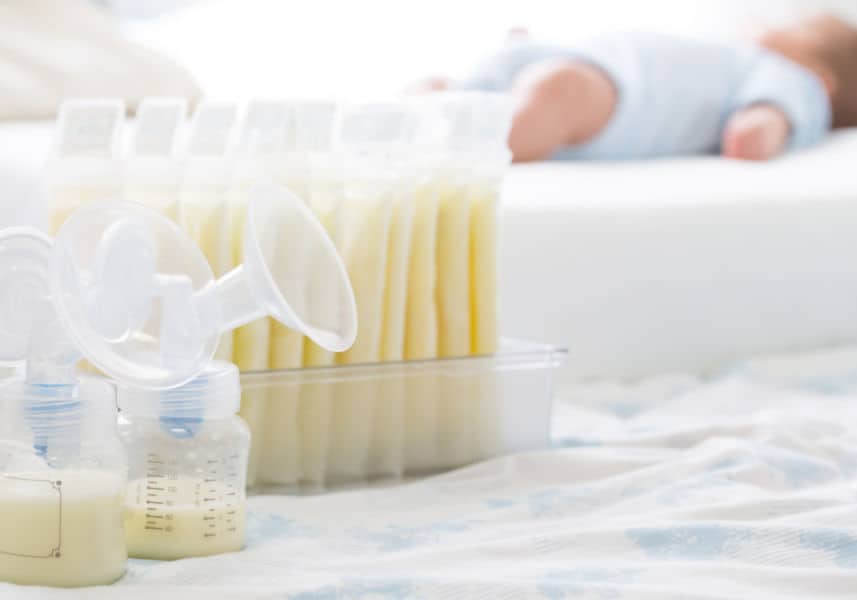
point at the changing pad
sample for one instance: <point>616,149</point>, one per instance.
<point>682,264</point>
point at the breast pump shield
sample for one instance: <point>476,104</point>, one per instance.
<point>138,297</point>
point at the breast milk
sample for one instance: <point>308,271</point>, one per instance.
<point>304,129</point>
<point>484,268</point>
<point>317,397</point>
<point>166,519</point>
<point>61,528</point>
<point>287,165</point>
<point>421,331</point>
<point>204,194</point>
<point>152,173</point>
<point>455,414</point>
<point>86,166</point>
<point>368,212</point>
<point>487,395</point>
<point>386,452</point>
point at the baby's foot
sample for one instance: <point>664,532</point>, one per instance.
<point>756,133</point>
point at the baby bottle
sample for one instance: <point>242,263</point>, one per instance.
<point>62,466</point>
<point>187,453</point>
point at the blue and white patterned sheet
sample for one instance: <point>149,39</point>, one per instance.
<point>739,485</point>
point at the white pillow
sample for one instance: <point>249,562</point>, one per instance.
<point>50,50</point>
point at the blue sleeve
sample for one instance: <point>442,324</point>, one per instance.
<point>772,79</point>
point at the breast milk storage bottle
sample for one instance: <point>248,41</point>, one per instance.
<point>152,174</point>
<point>62,484</point>
<point>86,165</point>
<point>187,453</point>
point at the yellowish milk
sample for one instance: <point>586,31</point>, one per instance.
<point>455,402</point>
<point>316,399</point>
<point>386,450</point>
<point>282,441</point>
<point>484,270</point>
<point>367,230</point>
<point>168,519</point>
<point>62,528</point>
<point>421,332</point>
<point>203,213</point>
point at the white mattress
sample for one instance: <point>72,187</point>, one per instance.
<point>682,264</point>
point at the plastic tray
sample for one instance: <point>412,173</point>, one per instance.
<point>317,428</point>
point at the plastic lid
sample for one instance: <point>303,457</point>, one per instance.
<point>24,289</point>
<point>475,120</point>
<point>314,122</point>
<point>138,297</point>
<point>158,121</point>
<point>267,125</point>
<point>375,125</point>
<point>212,129</point>
<point>89,128</point>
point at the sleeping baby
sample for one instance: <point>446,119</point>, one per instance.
<point>643,95</point>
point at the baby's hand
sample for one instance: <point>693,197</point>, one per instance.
<point>757,132</point>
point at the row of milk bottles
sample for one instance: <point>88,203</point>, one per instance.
<point>408,191</point>
<point>125,288</point>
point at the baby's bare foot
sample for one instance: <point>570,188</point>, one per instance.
<point>756,133</point>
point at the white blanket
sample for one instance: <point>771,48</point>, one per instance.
<point>739,486</point>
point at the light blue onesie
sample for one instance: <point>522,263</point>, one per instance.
<point>674,94</point>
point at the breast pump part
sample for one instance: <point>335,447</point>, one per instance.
<point>138,298</point>
<point>24,258</point>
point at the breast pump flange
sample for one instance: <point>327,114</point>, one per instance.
<point>137,296</point>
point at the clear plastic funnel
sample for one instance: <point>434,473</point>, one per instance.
<point>24,259</point>
<point>287,252</point>
<point>139,299</point>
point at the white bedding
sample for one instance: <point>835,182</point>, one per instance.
<point>683,264</point>
<point>739,486</point>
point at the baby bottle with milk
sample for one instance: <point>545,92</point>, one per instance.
<point>62,466</point>
<point>187,451</point>
<point>133,285</point>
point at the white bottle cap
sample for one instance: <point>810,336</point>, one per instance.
<point>267,127</point>
<point>158,121</point>
<point>212,129</point>
<point>89,128</point>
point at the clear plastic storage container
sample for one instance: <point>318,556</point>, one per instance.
<point>504,405</point>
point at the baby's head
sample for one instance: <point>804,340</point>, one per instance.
<point>826,45</point>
